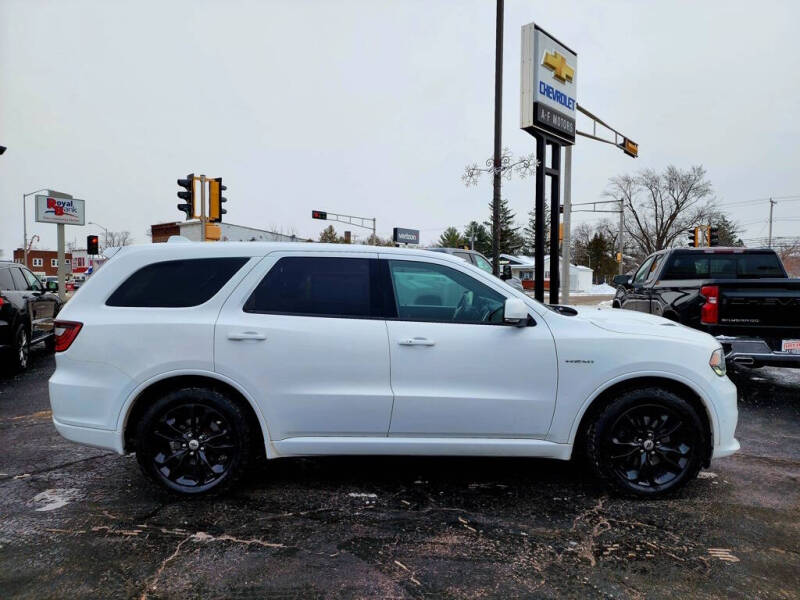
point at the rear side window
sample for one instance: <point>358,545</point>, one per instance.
<point>6,283</point>
<point>724,266</point>
<point>176,283</point>
<point>320,286</point>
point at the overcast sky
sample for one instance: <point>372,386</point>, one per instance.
<point>374,108</point>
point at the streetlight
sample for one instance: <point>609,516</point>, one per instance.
<point>25,219</point>
<point>105,243</point>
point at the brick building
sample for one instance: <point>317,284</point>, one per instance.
<point>43,262</point>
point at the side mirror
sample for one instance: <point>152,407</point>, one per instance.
<point>623,280</point>
<point>515,312</point>
<point>506,275</point>
<point>51,286</point>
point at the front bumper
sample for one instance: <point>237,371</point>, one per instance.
<point>725,401</point>
<point>754,353</point>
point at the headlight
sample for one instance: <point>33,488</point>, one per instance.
<point>717,362</point>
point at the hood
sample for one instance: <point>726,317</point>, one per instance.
<point>638,323</point>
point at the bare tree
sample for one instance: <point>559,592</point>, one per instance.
<point>660,207</point>
<point>115,239</point>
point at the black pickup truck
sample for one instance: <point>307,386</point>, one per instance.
<point>741,296</point>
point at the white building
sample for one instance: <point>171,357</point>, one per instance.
<point>580,277</point>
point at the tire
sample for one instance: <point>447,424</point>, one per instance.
<point>646,443</point>
<point>21,350</point>
<point>194,441</point>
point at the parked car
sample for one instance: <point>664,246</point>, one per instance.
<point>742,296</point>
<point>199,357</point>
<point>27,311</point>
<point>479,260</point>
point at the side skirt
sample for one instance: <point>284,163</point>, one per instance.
<point>320,446</point>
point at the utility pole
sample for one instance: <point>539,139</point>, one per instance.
<point>772,203</point>
<point>621,241</point>
<point>498,124</point>
<point>566,240</point>
<point>202,208</point>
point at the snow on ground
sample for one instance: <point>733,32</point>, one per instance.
<point>601,289</point>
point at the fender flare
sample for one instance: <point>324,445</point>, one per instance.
<point>125,410</point>
<point>713,418</point>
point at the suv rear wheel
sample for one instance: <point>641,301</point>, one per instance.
<point>194,441</point>
<point>21,350</point>
<point>646,442</point>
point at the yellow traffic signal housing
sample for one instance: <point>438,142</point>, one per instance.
<point>215,200</point>
<point>630,147</point>
<point>213,232</point>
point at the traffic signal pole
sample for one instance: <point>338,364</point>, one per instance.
<point>202,208</point>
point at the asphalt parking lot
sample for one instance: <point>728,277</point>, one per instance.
<point>82,523</point>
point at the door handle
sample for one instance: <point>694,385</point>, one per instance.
<point>246,335</point>
<point>416,341</point>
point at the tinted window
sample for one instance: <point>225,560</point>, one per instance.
<point>6,283</point>
<point>723,266</point>
<point>176,283</point>
<point>19,279</point>
<point>319,286</point>
<point>431,292</point>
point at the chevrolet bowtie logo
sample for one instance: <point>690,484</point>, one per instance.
<point>558,65</point>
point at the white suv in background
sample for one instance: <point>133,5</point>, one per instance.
<point>198,357</point>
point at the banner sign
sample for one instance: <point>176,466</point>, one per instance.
<point>549,84</point>
<point>67,211</point>
<point>405,236</point>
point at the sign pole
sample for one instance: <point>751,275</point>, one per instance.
<point>498,126</point>
<point>555,202</point>
<point>538,257</point>
<point>565,244</point>
<point>202,208</point>
<point>62,288</point>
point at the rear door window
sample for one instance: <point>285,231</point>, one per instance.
<point>6,283</point>
<point>321,287</point>
<point>176,283</point>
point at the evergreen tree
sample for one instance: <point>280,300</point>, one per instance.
<point>728,230</point>
<point>450,238</point>
<point>529,233</point>
<point>329,236</point>
<point>510,240</point>
<point>483,241</point>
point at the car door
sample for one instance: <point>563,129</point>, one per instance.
<point>457,369</point>
<point>42,306</point>
<point>636,297</point>
<point>305,334</point>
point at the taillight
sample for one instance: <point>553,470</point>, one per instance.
<point>66,332</point>
<point>709,314</point>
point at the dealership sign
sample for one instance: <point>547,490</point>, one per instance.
<point>66,211</point>
<point>549,84</point>
<point>405,236</point>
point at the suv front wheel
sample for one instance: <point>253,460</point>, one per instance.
<point>193,441</point>
<point>646,442</point>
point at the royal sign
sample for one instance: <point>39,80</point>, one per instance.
<point>549,84</point>
<point>66,211</point>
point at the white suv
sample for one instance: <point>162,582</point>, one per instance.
<point>199,357</point>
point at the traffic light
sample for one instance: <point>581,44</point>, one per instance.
<point>713,236</point>
<point>630,147</point>
<point>187,195</point>
<point>215,200</point>
<point>693,237</point>
<point>92,245</point>
<point>319,214</point>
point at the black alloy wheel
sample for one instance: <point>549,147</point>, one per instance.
<point>193,441</point>
<point>647,442</point>
<point>21,350</point>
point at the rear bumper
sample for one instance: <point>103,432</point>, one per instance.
<point>755,352</point>
<point>99,438</point>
